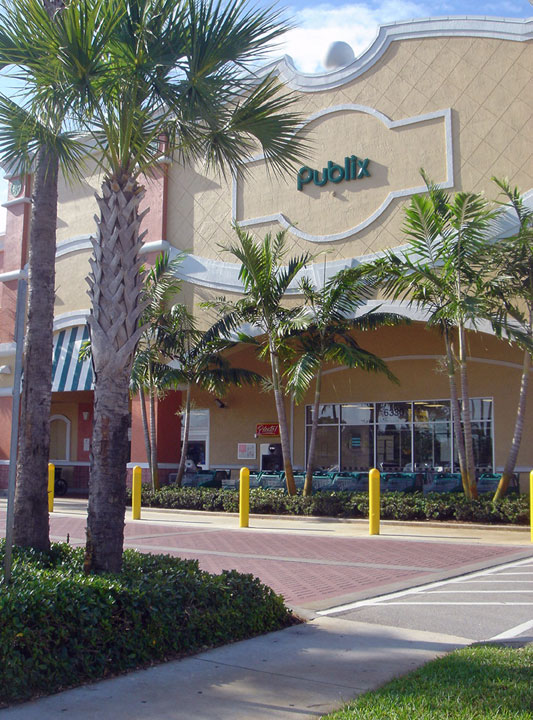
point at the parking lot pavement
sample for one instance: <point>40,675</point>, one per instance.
<point>492,604</point>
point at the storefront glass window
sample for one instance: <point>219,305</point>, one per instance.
<point>398,435</point>
<point>357,414</point>
<point>432,446</point>
<point>482,442</point>
<point>431,411</point>
<point>357,447</point>
<point>393,446</point>
<point>327,448</point>
<point>392,413</point>
<point>327,414</point>
<point>481,409</point>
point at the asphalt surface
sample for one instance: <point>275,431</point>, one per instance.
<point>386,605</point>
<point>491,604</point>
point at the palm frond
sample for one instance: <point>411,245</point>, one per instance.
<point>300,375</point>
<point>23,133</point>
<point>357,357</point>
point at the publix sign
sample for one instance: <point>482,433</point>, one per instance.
<point>354,168</point>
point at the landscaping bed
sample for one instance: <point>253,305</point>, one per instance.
<point>513,509</point>
<point>60,627</point>
<point>483,682</point>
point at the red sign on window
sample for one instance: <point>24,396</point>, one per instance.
<point>267,430</point>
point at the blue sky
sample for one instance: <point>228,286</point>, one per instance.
<point>321,23</point>
<point>318,24</point>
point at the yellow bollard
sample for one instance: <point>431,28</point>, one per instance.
<point>136,493</point>
<point>51,486</point>
<point>244,497</point>
<point>531,503</point>
<point>373,501</point>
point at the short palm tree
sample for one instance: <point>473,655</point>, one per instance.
<point>35,138</point>
<point>150,375</point>
<point>442,273</point>
<point>512,288</point>
<point>197,360</point>
<point>175,83</point>
<point>266,282</point>
<point>333,320</point>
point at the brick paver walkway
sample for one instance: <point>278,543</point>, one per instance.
<point>308,570</point>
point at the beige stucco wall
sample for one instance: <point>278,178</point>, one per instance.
<point>485,83</point>
<point>77,205</point>
<point>6,379</point>
<point>71,283</point>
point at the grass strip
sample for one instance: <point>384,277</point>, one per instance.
<point>483,682</point>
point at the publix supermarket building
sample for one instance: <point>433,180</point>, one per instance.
<point>452,96</point>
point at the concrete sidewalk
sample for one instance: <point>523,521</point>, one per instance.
<point>302,672</point>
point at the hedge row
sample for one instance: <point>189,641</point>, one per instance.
<point>60,627</point>
<point>394,505</point>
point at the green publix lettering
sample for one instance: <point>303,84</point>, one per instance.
<point>354,168</point>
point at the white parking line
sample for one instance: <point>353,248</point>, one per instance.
<point>430,604</point>
<point>514,632</point>
<point>492,582</point>
<point>456,592</point>
<point>430,586</point>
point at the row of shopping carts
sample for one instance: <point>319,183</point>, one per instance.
<point>344,481</point>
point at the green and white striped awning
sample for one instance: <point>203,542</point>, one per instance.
<point>68,373</point>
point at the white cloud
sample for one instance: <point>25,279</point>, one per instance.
<point>354,23</point>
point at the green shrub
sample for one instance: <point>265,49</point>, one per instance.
<point>61,627</point>
<point>394,505</point>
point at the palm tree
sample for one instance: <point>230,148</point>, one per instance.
<point>34,137</point>
<point>513,290</point>
<point>150,375</point>
<point>329,339</point>
<point>266,282</point>
<point>442,272</point>
<point>175,83</point>
<point>197,360</point>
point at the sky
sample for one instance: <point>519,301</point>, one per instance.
<point>318,24</point>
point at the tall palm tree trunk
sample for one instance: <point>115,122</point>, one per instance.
<point>146,431</point>
<point>282,419</point>
<point>31,526</point>
<point>154,469</point>
<point>456,413</point>
<point>518,431</point>
<point>308,486</point>
<point>185,441</point>
<point>115,286</point>
<point>467,416</point>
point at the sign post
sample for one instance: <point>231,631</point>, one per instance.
<point>17,380</point>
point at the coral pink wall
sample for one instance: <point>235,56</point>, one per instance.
<point>85,429</point>
<point>168,429</point>
<point>155,222</point>
<point>6,404</point>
